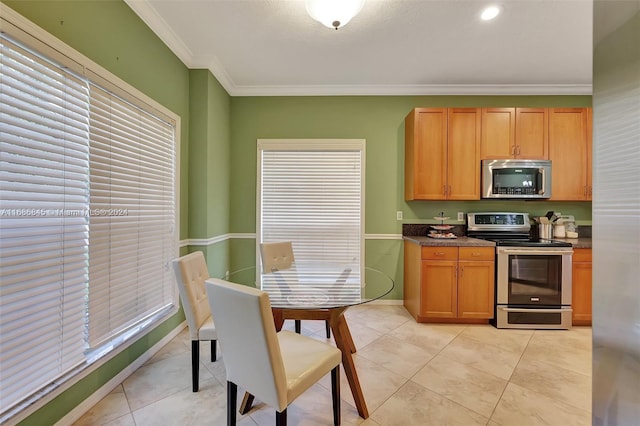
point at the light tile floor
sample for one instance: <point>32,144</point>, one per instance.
<point>411,374</point>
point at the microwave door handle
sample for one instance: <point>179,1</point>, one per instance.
<point>542,181</point>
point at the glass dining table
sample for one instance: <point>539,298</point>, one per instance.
<point>319,291</point>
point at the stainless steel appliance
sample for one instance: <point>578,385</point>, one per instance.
<point>533,276</point>
<point>525,179</point>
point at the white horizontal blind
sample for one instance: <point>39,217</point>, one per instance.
<point>44,193</point>
<point>131,238</point>
<point>313,197</point>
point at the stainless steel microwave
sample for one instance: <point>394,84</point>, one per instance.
<point>523,179</point>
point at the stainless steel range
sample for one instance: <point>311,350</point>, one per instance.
<point>533,276</point>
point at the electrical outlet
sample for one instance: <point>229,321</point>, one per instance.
<point>399,215</point>
<point>460,216</point>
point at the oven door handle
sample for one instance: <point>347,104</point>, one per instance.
<point>529,310</point>
<point>535,251</point>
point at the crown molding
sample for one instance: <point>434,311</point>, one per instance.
<point>160,28</point>
<point>415,90</point>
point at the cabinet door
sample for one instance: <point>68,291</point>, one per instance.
<point>425,154</point>
<point>476,289</point>
<point>463,154</point>
<point>568,152</point>
<point>498,133</point>
<point>532,133</point>
<point>438,293</point>
<point>581,290</point>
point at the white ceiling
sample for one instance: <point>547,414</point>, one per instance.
<point>393,47</point>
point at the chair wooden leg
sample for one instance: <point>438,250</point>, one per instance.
<point>232,397</point>
<point>195,364</point>
<point>335,394</point>
<point>214,351</point>
<point>298,327</point>
<point>281,418</point>
<point>327,327</point>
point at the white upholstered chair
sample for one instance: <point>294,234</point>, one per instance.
<point>191,272</point>
<point>276,256</point>
<point>279,256</point>
<point>274,367</point>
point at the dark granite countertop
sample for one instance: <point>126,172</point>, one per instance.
<point>582,242</point>
<point>416,233</point>
<point>456,242</point>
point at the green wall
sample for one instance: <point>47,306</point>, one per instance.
<point>379,120</point>
<point>208,166</point>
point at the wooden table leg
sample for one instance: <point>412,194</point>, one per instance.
<point>246,403</point>
<point>347,335</point>
<point>344,342</point>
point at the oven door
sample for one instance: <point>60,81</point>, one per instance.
<point>533,276</point>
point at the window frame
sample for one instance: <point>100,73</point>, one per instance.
<point>312,145</point>
<point>27,33</point>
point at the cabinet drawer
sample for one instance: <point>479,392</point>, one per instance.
<point>580,255</point>
<point>477,253</point>
<point>439,253</point>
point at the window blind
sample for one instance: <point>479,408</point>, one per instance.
<point>131,235</point>
<point>311,193</point>
<point>87,218</point>
<point>44,191</point>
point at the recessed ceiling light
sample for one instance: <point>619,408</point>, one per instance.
<point>490,12</point>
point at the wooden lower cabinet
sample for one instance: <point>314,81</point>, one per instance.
<point>449,284</point>
<point>439,289</point>
<point>581,290</point>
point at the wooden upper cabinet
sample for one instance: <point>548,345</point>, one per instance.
<point>498,133</point>
<point>514,133</point>
<point>570,154</point>
<point>442,154</point>
<point>463,154</point>
<point>532,133</point>
<point>425,154</point>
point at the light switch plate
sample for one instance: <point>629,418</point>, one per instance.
<point>399,215</point>
<point>460,216</point>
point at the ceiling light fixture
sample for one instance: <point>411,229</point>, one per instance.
<point>333,13</point>
<point>490,12</point>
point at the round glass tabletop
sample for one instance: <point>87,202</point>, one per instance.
<point>309,285</point>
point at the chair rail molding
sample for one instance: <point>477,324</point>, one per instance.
<point>250,235</point>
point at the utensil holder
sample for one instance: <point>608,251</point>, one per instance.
<point>545,231</point>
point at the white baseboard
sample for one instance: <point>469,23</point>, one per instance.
<point>75,414</point>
